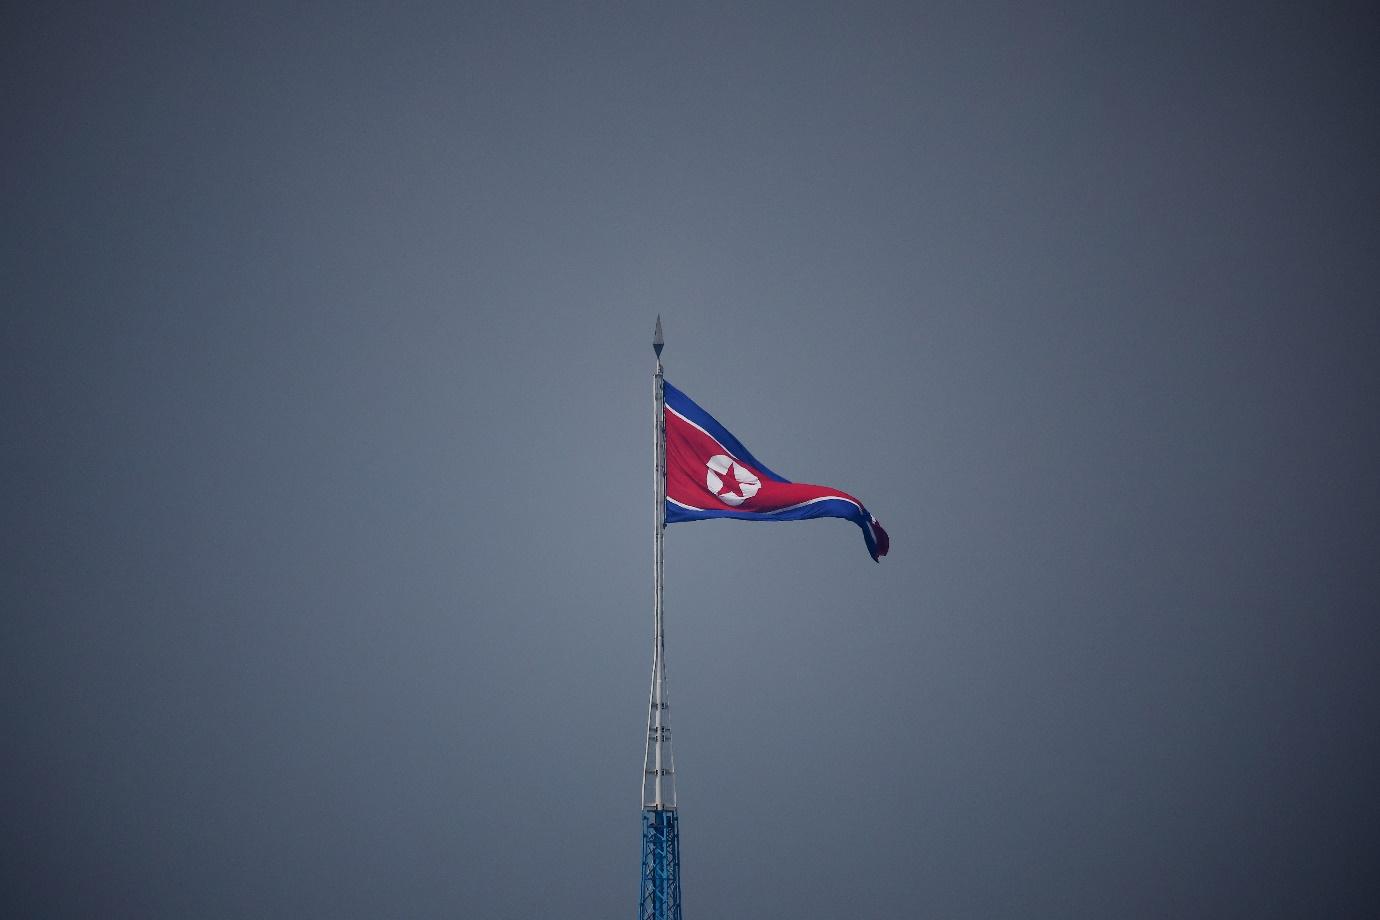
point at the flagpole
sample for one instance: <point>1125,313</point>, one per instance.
<point>659,893</point>
<point>660,763</point>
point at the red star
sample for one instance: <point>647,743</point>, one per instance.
<point>730,481</point>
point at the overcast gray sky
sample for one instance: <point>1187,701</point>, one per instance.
<point>326,446</point>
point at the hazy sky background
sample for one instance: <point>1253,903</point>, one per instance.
<point>326,441</point>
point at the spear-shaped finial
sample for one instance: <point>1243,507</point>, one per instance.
<point>658,342</point>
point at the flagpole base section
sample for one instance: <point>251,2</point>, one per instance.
<point>660,898</point>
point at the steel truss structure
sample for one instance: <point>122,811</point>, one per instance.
<point>660,895</point>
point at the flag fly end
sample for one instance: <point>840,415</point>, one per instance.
<point>880,542</point>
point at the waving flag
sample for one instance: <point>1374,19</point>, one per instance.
<point>710,474</point>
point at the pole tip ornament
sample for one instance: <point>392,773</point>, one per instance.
<point>657,341</point>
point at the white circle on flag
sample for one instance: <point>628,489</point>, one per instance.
<point>732,489</point>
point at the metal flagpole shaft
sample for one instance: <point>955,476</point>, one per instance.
<point>658,532</point>
<point>659,765</point>
<point>659,894</point>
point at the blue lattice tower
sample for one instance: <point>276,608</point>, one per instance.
<point>659,897</point>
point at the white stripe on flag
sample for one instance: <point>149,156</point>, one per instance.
<point>706,434</point>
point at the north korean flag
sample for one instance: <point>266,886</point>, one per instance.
<point>710,474</point>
